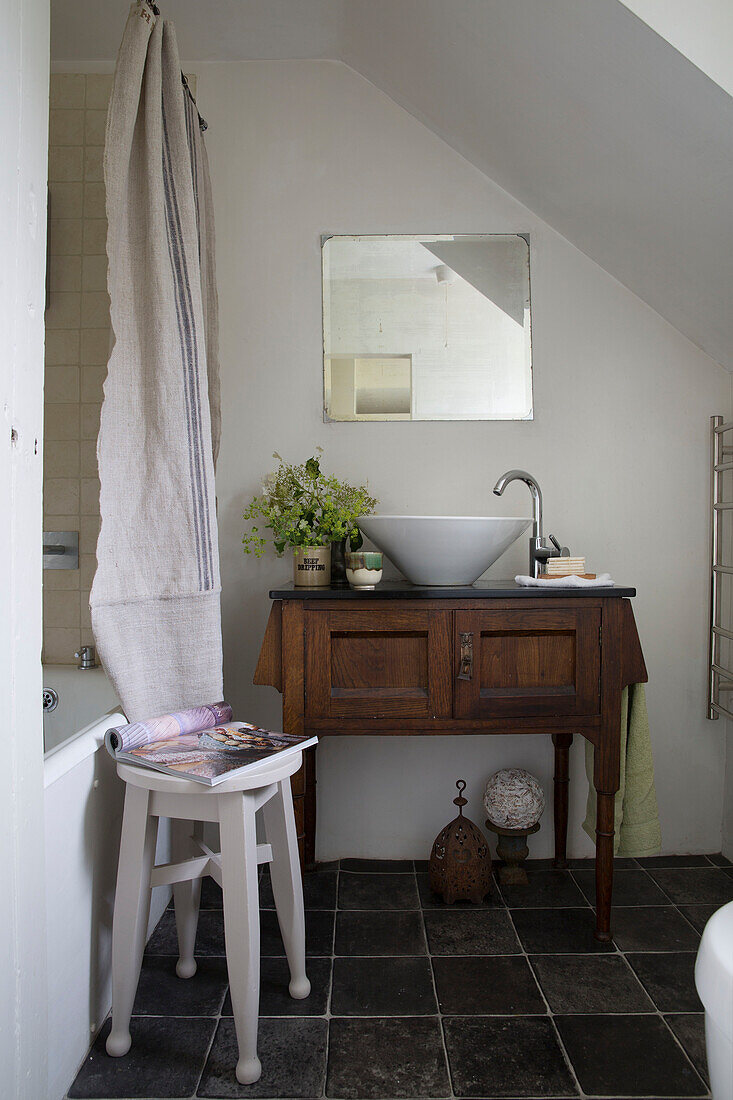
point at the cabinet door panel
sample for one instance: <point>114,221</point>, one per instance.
<point>378,664</point>
<point>526,663</point>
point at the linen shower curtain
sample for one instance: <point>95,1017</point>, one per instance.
<point>156,595</point>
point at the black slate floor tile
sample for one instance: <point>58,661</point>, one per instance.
<point>545,888</point>
<point>498,985</point>
<point>558,931</point>
<point>209,935</point>
<point>161,992</point>
<point>391,932</point>
<point>292,1053</point>
<point>698,915</point>
<point>695,885</point>
<point>669,979</point>
<point>590,983</point>
<point>503,1056</point>
<point>719,860</point>
<point>318,932</point>
<point>319,890</point>
<point>465,932</point>
<point>689,1027</point>
<point>652,928</point>
<point>378,866</point>
<point>274,997</point>
<point>400,987</point>
<point>211,895</point>
<point>166,1059</point>
<point>629,888</point>
<point>673,861</point>
<point>377,891</point>
<point>620,863</point>
<point>627,1056</point>
<point>394,1058</point>
<point>429,900</point>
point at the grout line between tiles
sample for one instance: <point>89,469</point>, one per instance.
<point>558,1037</point>
<point>655,1011</point>
<point>441,1025</point>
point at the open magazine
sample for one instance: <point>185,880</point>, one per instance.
<point>201,743</point>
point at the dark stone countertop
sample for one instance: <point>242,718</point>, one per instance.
<point>481,590</point>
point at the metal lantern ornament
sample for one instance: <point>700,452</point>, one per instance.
<point>460,862</point>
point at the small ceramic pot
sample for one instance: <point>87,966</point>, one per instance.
<point>312,567</point>
<point>363,568</point>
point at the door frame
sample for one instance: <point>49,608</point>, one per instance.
<point>24,80</point>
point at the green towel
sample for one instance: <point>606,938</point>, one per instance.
<point>637,815</point>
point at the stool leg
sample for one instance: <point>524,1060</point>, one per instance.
<point>242,924</point>
<point>287,884</point>
<point>132,909</point>
<point>186,898</point>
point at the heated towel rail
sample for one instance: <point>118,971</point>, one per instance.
<point>720,680</point>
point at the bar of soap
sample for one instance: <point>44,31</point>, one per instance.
<point>565,567</point>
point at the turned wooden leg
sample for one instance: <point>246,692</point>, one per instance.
<point>287,885</point>
<point>242,924</point>
<point>607,762</point>
<point>186,898</point>
<point>132,908</point>
<point>605,809</point>
<point>562,743</point>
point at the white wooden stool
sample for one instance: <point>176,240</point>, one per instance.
<point>150,795</point>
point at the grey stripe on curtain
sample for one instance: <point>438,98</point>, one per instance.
<point>156,594</point>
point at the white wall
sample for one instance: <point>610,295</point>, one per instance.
<point>727,839</point>
<point>619,441</point>
<point>23,137</point>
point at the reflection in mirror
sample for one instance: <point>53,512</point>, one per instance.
<point>427,328</point>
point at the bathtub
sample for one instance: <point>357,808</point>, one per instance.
<point>83,815</point>
<point>83,697</point>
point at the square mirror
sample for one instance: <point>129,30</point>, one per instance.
<point>433,327</point>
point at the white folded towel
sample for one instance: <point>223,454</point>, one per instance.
<point>603,580</point>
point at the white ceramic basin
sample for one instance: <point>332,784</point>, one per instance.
<point>443,551</point>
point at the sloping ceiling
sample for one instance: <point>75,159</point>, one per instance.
<point>576,107</point>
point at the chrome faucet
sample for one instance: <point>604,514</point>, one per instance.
<point>87,657</point>
<point>539,551</point>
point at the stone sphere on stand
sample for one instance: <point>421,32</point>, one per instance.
<point>514,799</point>
<point>514,802</point>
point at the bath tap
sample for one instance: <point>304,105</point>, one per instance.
<point>539,550</point>
<point>87,657</point>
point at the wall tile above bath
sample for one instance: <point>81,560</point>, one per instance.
<point>67,90</point>
<point>77,347</point>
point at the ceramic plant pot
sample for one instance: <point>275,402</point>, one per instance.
<point>363,568</point>
<point>312,567</point>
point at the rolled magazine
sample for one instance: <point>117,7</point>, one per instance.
<point>201,743</point>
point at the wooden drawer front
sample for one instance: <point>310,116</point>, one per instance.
<point>529,663</point>
<point>378,664</point>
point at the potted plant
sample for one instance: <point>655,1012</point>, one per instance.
<point>308,511</point>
